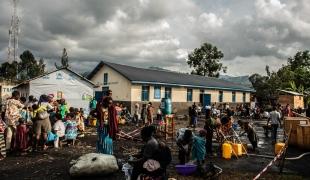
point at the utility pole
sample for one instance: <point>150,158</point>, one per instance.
<point>13,35</point>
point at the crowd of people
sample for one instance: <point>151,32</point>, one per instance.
<point>29,125</point>
<point>215,117</point>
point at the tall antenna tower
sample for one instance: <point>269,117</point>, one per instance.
<point>13,35</point>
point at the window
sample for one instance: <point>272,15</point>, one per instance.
<point>189,95</point>
<point>220,96</point>
<point>145,93</point>
<point>105,79</point>
<point>233,97</point>
<point>168,92</point>
<point>157,92</point>
<point>243,97</point>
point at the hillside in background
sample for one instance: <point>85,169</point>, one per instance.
<point>244,80</point>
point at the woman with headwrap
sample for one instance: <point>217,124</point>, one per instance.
<point>107,127</point>
<point>42,124</point>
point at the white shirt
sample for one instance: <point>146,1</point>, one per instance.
<point>274,117</point>
<point>60,128</point>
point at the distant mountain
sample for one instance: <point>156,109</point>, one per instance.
<point>244,80</point>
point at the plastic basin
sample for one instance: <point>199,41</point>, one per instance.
<point>186,169</point>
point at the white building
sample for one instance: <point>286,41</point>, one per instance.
<point>62,83</point>
<point>5,91</point>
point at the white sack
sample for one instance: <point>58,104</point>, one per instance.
<point>94,164</point>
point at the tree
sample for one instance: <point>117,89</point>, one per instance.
<point>64,60</point>
<point>301,59</point>
<point>294,77</point>
<point>8,71</point>
<point>206,61</point>
<point>29,67</point>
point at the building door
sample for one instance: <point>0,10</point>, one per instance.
<point>206,100</point>
<point>105,91</point>
<point>98,95</point>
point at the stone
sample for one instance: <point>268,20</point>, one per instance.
<point>93,164</point>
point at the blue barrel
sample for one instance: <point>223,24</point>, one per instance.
<point>166,106</point>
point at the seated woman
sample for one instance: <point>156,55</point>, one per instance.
<point>185,146</point>
<point>148,157</point>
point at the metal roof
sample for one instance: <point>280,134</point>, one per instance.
<point>150,76</point>
<point>290,92</point>
<point>64,68</point>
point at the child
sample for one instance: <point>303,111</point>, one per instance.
<point>199,148</point>
<point>21,137</point>
<point>71,128</point>
<point>63,109</point>
<point>159,114</point>
<point>59,129</point>
<point>25,114</point>
<point>80,122</point>
<point>2,142</point>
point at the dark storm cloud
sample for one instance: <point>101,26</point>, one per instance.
<point>160,33</point>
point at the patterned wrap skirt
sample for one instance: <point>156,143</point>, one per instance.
<point>104,141</point>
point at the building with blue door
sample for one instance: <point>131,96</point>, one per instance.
<point>133,84</point>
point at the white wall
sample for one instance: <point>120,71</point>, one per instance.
<point>120,86</point>
<point>75,90</point>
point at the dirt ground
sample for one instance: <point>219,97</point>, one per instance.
<point>54,164</point>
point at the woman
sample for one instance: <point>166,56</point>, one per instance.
<point>185,146</point>
<point>42,124</point>
<point>107,128</point>
<point>149,151</point>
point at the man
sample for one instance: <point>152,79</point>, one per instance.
<point>12,114</point>
<point>93,104</point>
<point>150,113</point>
<point>274,116</point>
<point>136,113</point>
<point>194,115</point>
<point>209,126</point>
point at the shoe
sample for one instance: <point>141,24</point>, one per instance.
<point>81,135</point>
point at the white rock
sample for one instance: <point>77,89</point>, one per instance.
<point>93,164</point>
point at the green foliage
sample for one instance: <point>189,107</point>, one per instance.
<point>293,77</point>
<point>27,68</point>
<point>206,61</point>
<point>8,71</point>
<point>64,60</point>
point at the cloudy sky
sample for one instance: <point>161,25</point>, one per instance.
<point>251,33</point>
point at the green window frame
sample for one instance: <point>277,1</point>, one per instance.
<point>168,92</point>
<point>233,96</point>
<point>145,93</point>
<point>157,92</point>
<point>189,96</point>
